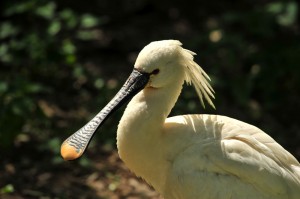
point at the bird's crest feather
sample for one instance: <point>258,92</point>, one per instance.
<point>195,75</point>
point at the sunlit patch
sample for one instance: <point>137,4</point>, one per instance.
<point>215,36</point>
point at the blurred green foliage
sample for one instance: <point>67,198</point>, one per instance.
<point>61,61</point>
<point>7,189</point>
<point>37,54</point>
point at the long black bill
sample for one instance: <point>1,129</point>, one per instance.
<point>74,146</point>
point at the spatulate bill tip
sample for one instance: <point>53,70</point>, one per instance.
<point>69,152</point>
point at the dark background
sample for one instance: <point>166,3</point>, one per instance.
<point>62,61</point>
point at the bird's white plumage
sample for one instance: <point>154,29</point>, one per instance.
<point>234,160</point>
<point>198,156</point>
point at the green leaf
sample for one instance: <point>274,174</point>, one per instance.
<point>9,188</point>
<point>286,12</point>
<point>99,83</point>
<point>18,8</point>
<point>78,71</point>
<point>88,21</point>
<point>70,59</point>
<point>54,145</point>
<point>7,29</point>
<point>289,16</point>
<point>69,17</point>
<point>54,27</point>
<point>46,11</point>
<point>3,87</point>
<point>5,56</point>
<point>68,47</point>
<point>33,88</point>
<point>85,162</point>
<point>275,7</point>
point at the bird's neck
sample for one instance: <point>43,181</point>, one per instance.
<point>140,131</point>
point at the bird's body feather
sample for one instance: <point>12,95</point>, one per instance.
<point>198,156</point>
<point>227,158</point>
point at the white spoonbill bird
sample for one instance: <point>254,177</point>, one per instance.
<point>189,156</point>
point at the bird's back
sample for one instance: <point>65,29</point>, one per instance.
<point>226,158</point>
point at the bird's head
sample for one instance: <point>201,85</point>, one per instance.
<point>166,61</point>
<point>160,59</point>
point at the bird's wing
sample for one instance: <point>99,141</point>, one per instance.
<point>233,154</point>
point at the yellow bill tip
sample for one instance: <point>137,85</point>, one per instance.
<point>69,152</point>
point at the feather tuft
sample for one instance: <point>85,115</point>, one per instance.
<point>195,75</point>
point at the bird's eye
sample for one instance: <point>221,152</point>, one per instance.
<point>155,72</point>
